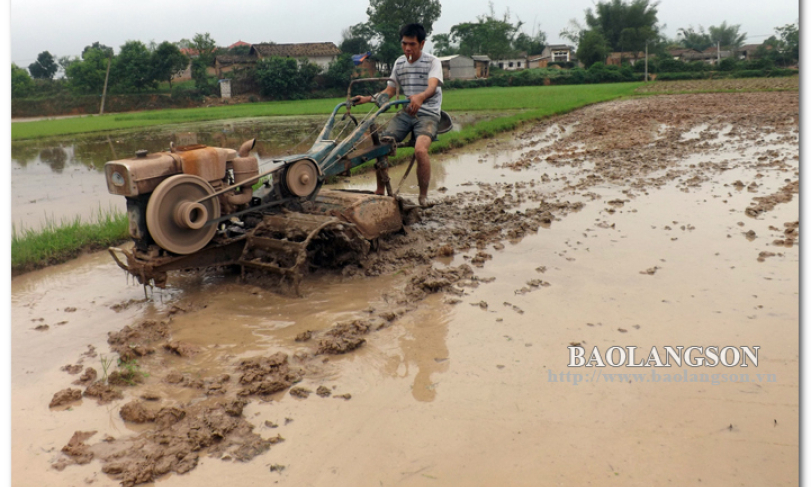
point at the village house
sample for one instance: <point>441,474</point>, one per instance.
<point>679,54</point>
<point>320,53</point>
<point>555,53</point>
<point>617,58</point>
<point>230,62</point>
<point>457,67</point>
<point>482,64</point>
<point>513,63</point>
<point>747,52</point>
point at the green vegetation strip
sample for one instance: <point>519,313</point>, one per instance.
<point>545,98</point>
<point>31,249</point>
<point>58,242</point>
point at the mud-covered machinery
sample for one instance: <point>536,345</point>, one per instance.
<point>197,206</point>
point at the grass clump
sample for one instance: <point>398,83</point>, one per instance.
<point>58,242</point>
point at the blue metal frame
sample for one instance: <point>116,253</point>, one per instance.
<point>327,153</point>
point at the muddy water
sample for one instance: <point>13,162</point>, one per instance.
<point>472,393</point>
<point>61,178</point>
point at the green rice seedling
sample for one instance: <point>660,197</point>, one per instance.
<point>106,362</point>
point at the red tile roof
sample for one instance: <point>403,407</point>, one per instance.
<point>307,49</point>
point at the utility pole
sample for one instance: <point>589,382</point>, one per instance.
<point>719,52</point>
<point>106,77</point>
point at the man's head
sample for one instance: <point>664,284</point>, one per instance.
<point>412,38</point>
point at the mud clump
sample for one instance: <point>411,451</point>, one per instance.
<point>77,451</point>
<point>135,412</point>
<point>339,345</point>
<point>304,336</point>
<point>88,377</point>
<point>323,391</point>
<point>766,203</point>
<point>65,396</point>
<point>434,280</point>
<point>103,393</point>
<point>300,392</point>
<point>72,369</point>
<point>344,337</point>
<point>125,377</point>
<point>126,304</point>
<point>211,386</point>
<point>263,376</point>
<point>181,349</point>
<point>133,341</point>
<point>181,435</point>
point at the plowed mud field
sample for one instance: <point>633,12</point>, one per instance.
<point>442,358</point>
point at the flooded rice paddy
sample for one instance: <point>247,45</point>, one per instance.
<point>666,221</point>
<point>60,178</point>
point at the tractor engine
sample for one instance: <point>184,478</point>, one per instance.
<point>170,194</point>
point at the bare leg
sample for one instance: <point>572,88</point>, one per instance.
<point>381,182</point>
<point>423,165</point>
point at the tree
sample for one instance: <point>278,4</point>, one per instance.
<point>283,78</point>
<point>694,39</point>
<point>21,82</point>
<point>339,73</point>
<point>443,46</point>
<point>783,50</point>
<point>728,36</point>
<point>241,50</point>
<point>573,32</point>
<point>488,35</point>
<point>356,39</point>
<point>203,47</point>
<point>183,44</point>
<point>387,16</point>
<point>701,39</point>
<point>65,61</point>
<point>531,44</point>
<point>132,68</point>
<point>167,61</point>
<point>790,39</point>
<point>44,67</point>
<point>625,26</point>
<point>592,48</point>
<point>97,46</point>
<point>87,75</point>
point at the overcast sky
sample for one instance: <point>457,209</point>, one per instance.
<point>66,27</point>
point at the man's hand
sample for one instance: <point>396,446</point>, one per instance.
<point>360,100</point>
<point>416,102</point>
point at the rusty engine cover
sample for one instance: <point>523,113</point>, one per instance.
<point>144,172</point>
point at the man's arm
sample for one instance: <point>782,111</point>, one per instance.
<point>418,99</point>
<point>360,100</point>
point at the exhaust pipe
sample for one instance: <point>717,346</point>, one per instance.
<point>245,168</point>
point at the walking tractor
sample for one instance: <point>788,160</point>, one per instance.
<point>195,206</point>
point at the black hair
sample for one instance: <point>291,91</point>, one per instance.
<point>413,30</point>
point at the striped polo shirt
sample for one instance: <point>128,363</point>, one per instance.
<point>413,79</point>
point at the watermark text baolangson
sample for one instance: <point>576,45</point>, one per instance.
<point>679,356</point>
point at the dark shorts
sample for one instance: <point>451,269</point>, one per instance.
<point>403,124</point>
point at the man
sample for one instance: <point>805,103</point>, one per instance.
<point>419,74</point>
